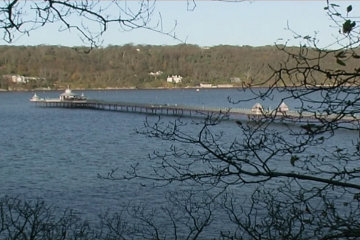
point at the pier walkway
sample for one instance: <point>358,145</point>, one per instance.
<point>156,109</point>
<point>188,111</point>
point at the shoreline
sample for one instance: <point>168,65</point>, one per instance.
<point>124,88</point>
<point>162,88</point>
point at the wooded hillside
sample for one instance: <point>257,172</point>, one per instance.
<point>127,66</point>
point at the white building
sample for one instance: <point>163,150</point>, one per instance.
<point>156,74</point>
<point>283,108</point>
<point>18,79</point>
<point>69,95</point>
<point>174,79</point>
<point>22,79</point>
<point>257,109</point>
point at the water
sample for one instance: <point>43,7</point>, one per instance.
<point>57,154</point>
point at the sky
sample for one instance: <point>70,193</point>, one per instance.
<point>211,23</point>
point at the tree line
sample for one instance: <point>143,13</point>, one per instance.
<point>129,66</point>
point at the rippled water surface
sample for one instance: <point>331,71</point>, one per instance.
<point>57,154</point>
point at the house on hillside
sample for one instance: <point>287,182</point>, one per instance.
<point>156,74</point>
<point>18,79</point>
<point>174,79</point>
<point>21,79</point>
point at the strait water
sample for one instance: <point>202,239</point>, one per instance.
<point>57,154</point>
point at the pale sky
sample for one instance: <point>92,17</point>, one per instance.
<point>210,23</point>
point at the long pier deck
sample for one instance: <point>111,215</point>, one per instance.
<point>182,110</point>
<point>146,108</point>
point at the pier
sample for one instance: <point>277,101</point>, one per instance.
<point>68,99</point>
<point>188,111</point>
<point>145,108</point>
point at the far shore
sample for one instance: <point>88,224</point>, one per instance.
<point>120,88</point>
<point>162,88</point>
